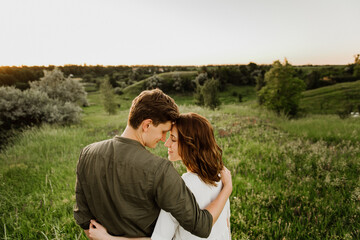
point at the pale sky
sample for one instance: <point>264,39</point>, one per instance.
<point>182,32</point>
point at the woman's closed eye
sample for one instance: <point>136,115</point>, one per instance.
<point>173,138</point>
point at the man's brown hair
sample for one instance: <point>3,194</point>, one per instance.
<point>154,105</point>
<point>198,148</point>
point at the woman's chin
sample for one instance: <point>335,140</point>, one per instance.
<point>171,159</point>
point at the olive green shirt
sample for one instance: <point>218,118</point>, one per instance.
<point>123,186</point>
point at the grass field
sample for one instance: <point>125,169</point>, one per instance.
<point>293,179</point>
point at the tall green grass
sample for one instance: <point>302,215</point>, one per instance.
<point>329,128</point>
<point>37,183</point>
<point>293,179</point>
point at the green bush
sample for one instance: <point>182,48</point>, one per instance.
<point>198,96</point>
<point>52,99</point>
<point>118,91</point>
<point>177,85</point>
<point>182,82</point>
<point>20,108</point>
<point>56,86</point>
<point>207,91</point>
<point>210,92</point>
<point>201,78</point>
<point>154,82</point>
<point>240,97</point>
<point>108,97</point>
<point>357,66</point>
<point>88,78</point>
<point>32,107</point>
<point>346,111</point>
<point>282,91</point>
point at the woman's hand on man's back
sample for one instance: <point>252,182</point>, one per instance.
<point>226,179</point>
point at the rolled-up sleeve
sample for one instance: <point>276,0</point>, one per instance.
<point>172,195</point>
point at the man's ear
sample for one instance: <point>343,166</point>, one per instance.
<point>146,124</point>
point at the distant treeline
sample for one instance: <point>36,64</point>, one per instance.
<point>21,76</point>
<point>250,74</point>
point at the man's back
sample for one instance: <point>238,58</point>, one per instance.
<point>116,177</point>
<point>123,186</point>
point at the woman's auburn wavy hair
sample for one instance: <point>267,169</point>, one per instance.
<point>198,148</point>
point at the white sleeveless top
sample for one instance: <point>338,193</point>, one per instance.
<point>167,227</point>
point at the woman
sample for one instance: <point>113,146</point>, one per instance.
<point>192,141</point>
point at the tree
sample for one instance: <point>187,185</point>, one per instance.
<point>88,78</point>
<point>182,83</point>
<point>201,78</point>
<point>199,81</point>
<point>108,97</point>
<point>260,82</point>
<point>253,72</point>
<point>154,82</point>
<point>313,79</point>
<point>282,91</point>
<point>357,66</point>
<point>210,92</point>
<point>134,75</point>
<point>178,83</point>
<point>113,80</point>
<point>32,107</point>
<point>52,99</point>
<point>62,89</point>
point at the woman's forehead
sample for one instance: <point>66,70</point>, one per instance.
<point>174,130</point>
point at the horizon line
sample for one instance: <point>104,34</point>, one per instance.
<point>159,65</point>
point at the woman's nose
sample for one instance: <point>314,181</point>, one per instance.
<point>167,143</point>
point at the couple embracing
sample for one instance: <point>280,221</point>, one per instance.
<point>124,191</point>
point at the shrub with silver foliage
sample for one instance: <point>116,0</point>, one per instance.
<point>153,82</point>
<point>20,108</point>
<point>56,86</point>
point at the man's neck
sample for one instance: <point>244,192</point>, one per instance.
<point>133,134</point>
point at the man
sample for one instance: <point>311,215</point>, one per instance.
<point>123,186</point>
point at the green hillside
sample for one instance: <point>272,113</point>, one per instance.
<point>135,88</point>
<point>167,79</point>
<point>330,99</point>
